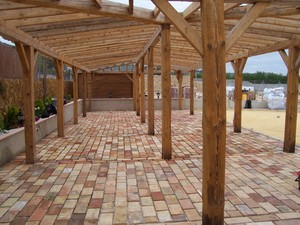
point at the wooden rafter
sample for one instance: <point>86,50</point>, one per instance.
<point>109,9</point>
<point>243,24</point>
<point>192,8</point>
<point>152,42</point>
<point>17,35</point>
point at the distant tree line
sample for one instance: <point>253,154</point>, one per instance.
<point>258,77</point>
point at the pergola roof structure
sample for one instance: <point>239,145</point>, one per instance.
<point>92,35</point>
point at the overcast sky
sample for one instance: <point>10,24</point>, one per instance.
<point>271,62</point>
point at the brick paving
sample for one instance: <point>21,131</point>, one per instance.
<point>107,170</point>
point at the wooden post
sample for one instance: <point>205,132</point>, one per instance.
<point>192,75</point>
<point>214,111</point>
<point>166,92</point>
<point>179,79</point>
<point>150,91</point>
<point>238,67</point>
<point>142,100</point>
<point>84,94</point>
<point>134,89</point>
<point>292,100</point>
<point>75,94</point>
<point>26,55</point>
<point>137,71</point>
<point>89,91</point>
<point>59,66</point>
<point>45,79</point>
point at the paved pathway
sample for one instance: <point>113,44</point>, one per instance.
<point>107,170</point>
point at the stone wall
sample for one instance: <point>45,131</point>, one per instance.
<point>13,91</point>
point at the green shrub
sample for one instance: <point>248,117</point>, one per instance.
<point>2,125</point>
<point>12,119</point>
<point>48,100</point>
<point>39,108</point>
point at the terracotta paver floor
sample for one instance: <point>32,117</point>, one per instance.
<point>107,170</point>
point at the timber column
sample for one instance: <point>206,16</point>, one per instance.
<point>27,59</point>
<point>192,76</point>
<point>291,100</point>
<point>137,89</point>
<point>89,91</point>
<point>238,67</point>
<point>59,66</point>
<point>150,91</point>
<point>214,111</point>
<point>166,91</point>
<point>179,79</point>
<point>75,94</point>
<point>142,100</point>
<point>84,93</point>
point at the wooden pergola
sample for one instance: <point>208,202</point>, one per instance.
<point>91,35</point>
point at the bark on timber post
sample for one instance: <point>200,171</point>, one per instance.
<point>238,67</point>
<point>179,79</point>
<point>150,91</point>
<point>166,92</point>
<point>192,76</point>
<point>26,54</point>
<point>138,109</point>
<point>142,100</point>
<point>292,101</point>
<point>214,111</point>
<point>89,92</point>
<point>84,94</point>
<point>59,66</point>
<point>75,94</point>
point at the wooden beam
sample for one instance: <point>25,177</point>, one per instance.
<point>234,35</point>
<point>284,57</point>
<point>150,82</point>
<point>156,12</point>
<point>129,77</point>
<point>109,9</point>
<point>98,3</point>
<point>270,48</point>
<point>89,91</point>
<point>130,7</point>
<point>26,55</point>
<point>166,92</point>
<point>214,112</point>
<point>152,42</point>
<point>238,67</point>
<point>142,96</point>
<point>75,94</point>
<point>181,24</point>
<point>179,77</point>
<point>192,76</point>
<point>138,108</point>
<point>192,8</point>
<point>59,67</point>
<point>84,89</point>
<point>18,35</point>
<point>291,101</point>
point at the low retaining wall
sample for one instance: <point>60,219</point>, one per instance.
<point>126,104</point>
<point>13,143</point>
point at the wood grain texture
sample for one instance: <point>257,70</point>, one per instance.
<point>214,111</point>
<point>59,67</point>
<point>291,101</point>
<point>150,78</point>
<point>75,94</point>
<point>166,92</point>
<point>26,54</point>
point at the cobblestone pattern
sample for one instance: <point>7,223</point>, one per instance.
<point>107,170</point>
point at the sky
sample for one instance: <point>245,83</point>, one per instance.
<point>271,62</point>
